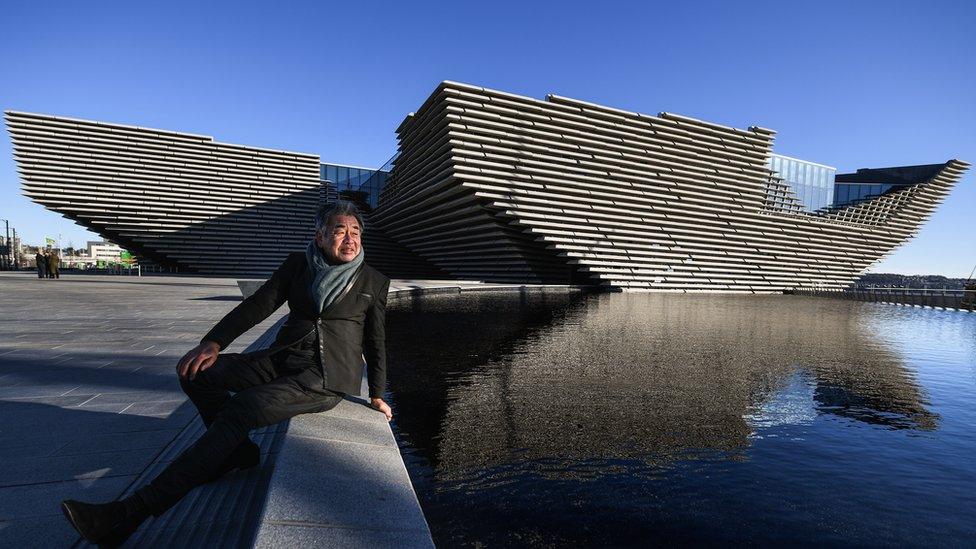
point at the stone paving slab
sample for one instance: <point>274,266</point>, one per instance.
<point>341,429</point>
<point>117,441</point>
<point>28,500</point>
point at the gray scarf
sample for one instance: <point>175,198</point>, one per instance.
<point>328,281</point>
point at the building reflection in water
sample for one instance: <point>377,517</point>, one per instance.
<point>573,387</point>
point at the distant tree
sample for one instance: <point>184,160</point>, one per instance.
<point>892,280</point>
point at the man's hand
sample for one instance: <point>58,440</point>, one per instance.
<point>378,404</point>
<point>197,360</point>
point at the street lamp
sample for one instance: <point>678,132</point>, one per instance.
<point>8,256</point>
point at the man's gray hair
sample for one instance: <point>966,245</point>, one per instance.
<point>328,212</point>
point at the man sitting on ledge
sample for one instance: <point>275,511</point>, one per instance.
<point>338,308</point>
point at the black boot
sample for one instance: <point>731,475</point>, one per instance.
<point>123,530</point>
<point>246,455</point>
<point>102,523</point>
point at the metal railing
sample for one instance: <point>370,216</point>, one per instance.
<point>963,300</point>
<point>122,270</point>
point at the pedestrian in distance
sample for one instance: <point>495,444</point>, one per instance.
<point>41,261</point>
<point>53,265</point>
<point>337,311</point>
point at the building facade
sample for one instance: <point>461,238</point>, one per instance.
<point>104,251</point>
<point>178,200</point>
<point>492,186</point>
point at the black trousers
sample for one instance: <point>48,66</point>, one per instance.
<point>267,390</point>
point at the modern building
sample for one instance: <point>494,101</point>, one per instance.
<point>493,186</point>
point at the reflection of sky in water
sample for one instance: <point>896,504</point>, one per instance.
<point>791,405</point>
<point>609,419</point>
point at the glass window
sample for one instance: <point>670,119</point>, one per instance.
<point>813,185</point>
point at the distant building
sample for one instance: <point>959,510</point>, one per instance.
<point>10,251</point>
<point>104,251</point>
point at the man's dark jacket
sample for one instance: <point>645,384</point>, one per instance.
<point>352,327</point>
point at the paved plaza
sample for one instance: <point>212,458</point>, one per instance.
<point>92,409</point>
<point>88,391</point>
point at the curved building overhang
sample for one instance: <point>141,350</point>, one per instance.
<point>181,200</point>
<point>492,185</point>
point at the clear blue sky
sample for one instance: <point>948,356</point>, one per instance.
<point>849,84</point>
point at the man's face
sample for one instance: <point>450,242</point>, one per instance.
<point>340,239</point>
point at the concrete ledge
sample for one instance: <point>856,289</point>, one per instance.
<point>419,290</point>
<point>339,480</point>
<point>413,288</point>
